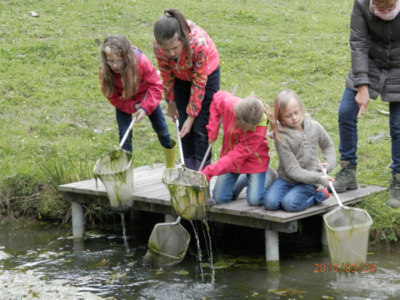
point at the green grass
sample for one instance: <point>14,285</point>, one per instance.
<point>51,100</point>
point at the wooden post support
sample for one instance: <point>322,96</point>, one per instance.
<point>77,220</point>
<point>79,245</point>
<point>272,249</point>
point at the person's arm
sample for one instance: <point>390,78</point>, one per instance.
<point>327,148</point>
<point>234,159</point>
<point>292,168</point>
<point>151,97</point>
<point>359,43</point>
<point>217,108</point>
<point>200,76</point>
<point>198,87</point>
<point>168,77</point>
<point>362,99</point>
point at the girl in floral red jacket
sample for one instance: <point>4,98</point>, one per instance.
<point>244,147</point>
<point>189,64</point>
<point>130,82</point>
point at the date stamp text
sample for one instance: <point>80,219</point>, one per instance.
<point>345,268</point>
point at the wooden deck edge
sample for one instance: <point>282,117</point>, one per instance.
<point>219,210</point>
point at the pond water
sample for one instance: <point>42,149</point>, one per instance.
<point>105,266</point>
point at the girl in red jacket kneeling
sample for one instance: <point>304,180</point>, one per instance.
<point>244,148</point>
<point>131,83</point>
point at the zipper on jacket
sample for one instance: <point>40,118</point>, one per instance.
<point>176,63</point>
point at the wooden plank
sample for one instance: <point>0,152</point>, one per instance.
<point>287,227</point>
<point>149,189</point>
<point>347,197</point>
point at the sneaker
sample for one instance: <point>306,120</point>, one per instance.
<point>325,192</point>
<point>394,191</point>
<point>346,178</point>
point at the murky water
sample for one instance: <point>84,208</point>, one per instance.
<point>102,266</point>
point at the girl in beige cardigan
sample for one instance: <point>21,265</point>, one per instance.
<point>299,171</point>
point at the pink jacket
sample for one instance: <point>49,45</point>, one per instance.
<point>148,94</point>
<point>204,60</point>
<point>242,152</point>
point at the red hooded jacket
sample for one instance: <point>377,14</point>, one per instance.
<point>243,152</point>
<point>148,94</point>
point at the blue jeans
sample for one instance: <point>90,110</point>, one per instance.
<point>195,143</point>
<point>157,121</point>
<point>225,187</point>
<point>291,196</point>
<point>348,110</point>
<point>241,183</point>
<point>394,125</point>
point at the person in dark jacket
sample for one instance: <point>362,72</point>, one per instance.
<point>375,70</point>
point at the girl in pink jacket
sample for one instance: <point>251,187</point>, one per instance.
<point>189,64</point>
<point>244,146</point>
<point>130,82</point>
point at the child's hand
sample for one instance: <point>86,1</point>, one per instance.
<point>139,115</point>
<point>329,178</point>
<point>320,165</point>
<point>271,134</point>
<point>187,126</point>
<point>172,111</point>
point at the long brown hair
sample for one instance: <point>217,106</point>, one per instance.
<point>281,102</point>
<point>130,77</point>
<point>170,24</point>
<point>249,113</point>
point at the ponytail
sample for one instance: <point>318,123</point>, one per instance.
<point>170,24</point>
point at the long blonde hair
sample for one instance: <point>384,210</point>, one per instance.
<point>281,103</point>
<point>130,77</point>
<point>249,112</point>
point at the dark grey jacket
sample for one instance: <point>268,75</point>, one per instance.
<point>375,53</point>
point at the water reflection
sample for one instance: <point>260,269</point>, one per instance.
<point>102,266</point>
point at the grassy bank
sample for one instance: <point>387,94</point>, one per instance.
<point>54,117</point>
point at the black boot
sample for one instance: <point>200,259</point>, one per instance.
<point>394,191</point>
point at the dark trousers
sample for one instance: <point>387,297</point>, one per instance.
<point>195,143</point>
<point>157,121</point>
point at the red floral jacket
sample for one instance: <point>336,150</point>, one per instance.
<point>203,60</point>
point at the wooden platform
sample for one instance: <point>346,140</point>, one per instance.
<point>150,194</point>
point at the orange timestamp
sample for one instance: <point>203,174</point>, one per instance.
<point>345,268</point>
